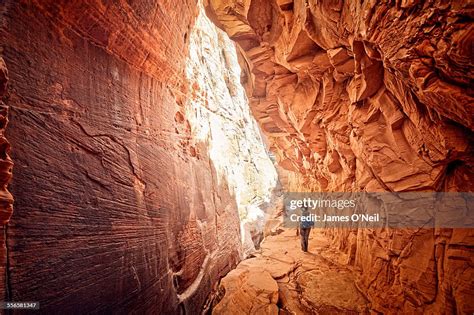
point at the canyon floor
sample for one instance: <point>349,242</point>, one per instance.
<point>281,279</point>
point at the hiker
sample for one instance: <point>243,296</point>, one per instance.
<point>305,229</point>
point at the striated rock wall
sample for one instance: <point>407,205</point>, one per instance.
<point>123,203</point>
<point>370,96</point>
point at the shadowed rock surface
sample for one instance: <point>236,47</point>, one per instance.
<point>6,164</point>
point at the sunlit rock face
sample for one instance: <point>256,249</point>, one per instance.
<point>125,200</point>
<point>367,96</point>
<point>218,114</point>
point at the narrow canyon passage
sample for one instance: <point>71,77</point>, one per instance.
<point>159,157</point>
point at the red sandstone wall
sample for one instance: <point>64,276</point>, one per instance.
<point>102,219</point>
<point>6,164</point>
<point>352,95</point>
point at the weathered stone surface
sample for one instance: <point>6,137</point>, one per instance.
<point>302,283</point>
<point>345,105</point>
<point>248,292</point>
<point>126,201</point>
<point>121,204</point>
<point>369,96</point>
<point>6,164</point>
<point>218,114</point>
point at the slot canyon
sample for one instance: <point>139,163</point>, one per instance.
<point>147,148</point>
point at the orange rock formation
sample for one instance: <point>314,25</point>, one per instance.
<point>120,206</point>
<point>360,96</point>
<point>370,96</point>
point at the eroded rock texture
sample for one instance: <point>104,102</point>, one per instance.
<point>119,206</point>
<point>281,279</point>
<point>218,114</point>
<point>360,96</point>
<point>370,96</point>
<point>6,164</point>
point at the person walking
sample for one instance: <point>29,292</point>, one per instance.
<point>305,229</point>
